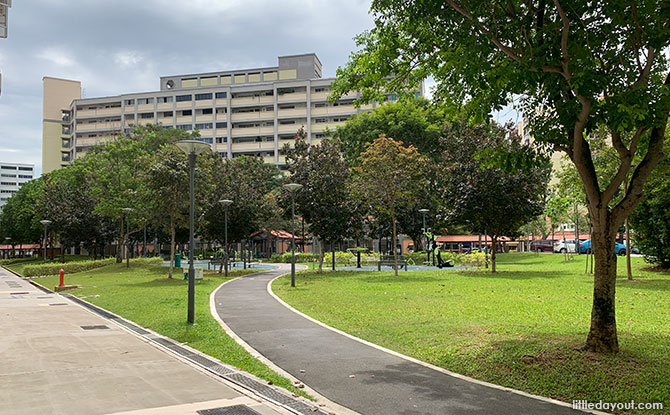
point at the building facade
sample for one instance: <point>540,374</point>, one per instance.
<point>242,112</point>
<point>12,177</point>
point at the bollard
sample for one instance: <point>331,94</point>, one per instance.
<point>62,277</point>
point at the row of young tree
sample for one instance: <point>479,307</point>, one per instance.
<point>145,172</point>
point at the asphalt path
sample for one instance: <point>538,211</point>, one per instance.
<point>355,375</point>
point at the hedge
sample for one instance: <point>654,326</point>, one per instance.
<point>79,266</point>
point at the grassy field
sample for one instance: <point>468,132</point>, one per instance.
<point>145,295</point>
<point>520,328</point>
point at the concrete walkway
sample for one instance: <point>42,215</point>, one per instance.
<point>350,373</point>
<point>59,358</point>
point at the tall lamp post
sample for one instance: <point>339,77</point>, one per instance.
<point>126,212</point>
<point>292,188</point>
<point>192,148</point>
<point>423,212</point>
<point>9,250</point>
<point>46,223</point>
<point>225,203</point>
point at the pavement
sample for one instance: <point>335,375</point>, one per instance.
<point>59,357</point>
<point>355,375</point>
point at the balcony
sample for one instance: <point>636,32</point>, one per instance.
<point>145,121</point>
<point>99,111</point>
<point>269,160</point>
<point>261,145</point>
<point>130,108</point>
<point>256,115</point>
<point>294,112</point>
<point>294,96</point>
<point>319,96</point>
<point>323,126</point>
<point>185,119</point>
<point>184,104</point>
<point>146,107</point>
<point>204,117</point>
<point>204,103</point>
<point>340,109</point>
<point>239,132</point>
<point>266,99</point>
<point>99,126</point>
<point>164,106</point>
<point>290,128</point>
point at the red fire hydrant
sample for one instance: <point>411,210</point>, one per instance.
<point>62,277</point>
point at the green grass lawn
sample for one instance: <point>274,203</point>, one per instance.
<point>143,294</point>
<point>520,328</point>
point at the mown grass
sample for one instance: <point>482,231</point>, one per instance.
<point>144,294</point>
<point>522,327</point>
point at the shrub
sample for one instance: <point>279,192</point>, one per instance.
<point>68,267</point>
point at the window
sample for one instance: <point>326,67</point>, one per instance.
<point>187,127</point>
<point>145,101</point>
<point>201,97</point>
<point>24,176</point>
<point>207,140</point>
<point>221,95</point>
<point>129,102</point>
<point>186,113</point>
<point>204,126</point>
<point>340,119</point>
<point>164,100</point>
<point>166,114</point>
<point>320,89</point>
<point>146,115</point>
<point>221,110</point>
<point>286,107</point>
<point>9,167</point>
<point>221,125</point>
<point>320,120</point>
<point>319,105</point>
<point>184,98</point>
<point>13,176</point>
<point>286,122</point>
<point>206,110</point>
<point>8,183</point>
<point>220,140</point>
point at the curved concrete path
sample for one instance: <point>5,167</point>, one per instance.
<point>355,375</point>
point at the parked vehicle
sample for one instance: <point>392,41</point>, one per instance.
<point>585,248</point>
<point>565,245</point>
<point>542,246</point>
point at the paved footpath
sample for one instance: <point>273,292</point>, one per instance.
<point>55,358</point>
<point>357,376</point>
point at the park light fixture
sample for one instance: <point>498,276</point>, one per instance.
<point>292,188</point>
<point>46,223</point>
<point>225,203</point>
<point>192,148</point>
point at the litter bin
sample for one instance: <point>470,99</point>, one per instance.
<point>177,260</point>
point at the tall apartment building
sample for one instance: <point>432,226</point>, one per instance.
<point>12,177</point>
<point>4,12</point>
<point>240,112</point>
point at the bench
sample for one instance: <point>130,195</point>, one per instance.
<point>215,261</point>
<point>389,261</point>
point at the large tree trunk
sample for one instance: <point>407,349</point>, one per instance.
<point>118,245</point>
<point>602,336</point>
<point>172,247</point>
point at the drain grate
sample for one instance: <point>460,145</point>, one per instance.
<point>21,293</point>
<point>270,393</point>
<point>229,410</point>
<point>58,304</point>
<point>95,327</point>
<point>137,329</point>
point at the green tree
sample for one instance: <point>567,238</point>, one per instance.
<point>390,176</point>
<point>414,121</point>
<point>576,65</point>
<point>485,197</point>
<point>20,219</point>
<point>245,181</point>
<point>651,218</point>
<point>325,200</point>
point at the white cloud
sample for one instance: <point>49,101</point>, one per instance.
<point>128,58</point>
<point>56,56</point>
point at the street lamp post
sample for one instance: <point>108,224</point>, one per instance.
<point>126,212</point>
<point>46,223</point>
<point>192,148</point>
<point>9,250</point>
<point>292,188</point>
<point>423,212</point>
<point>226,203</point>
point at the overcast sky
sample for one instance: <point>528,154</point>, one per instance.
<point>123,46</point>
